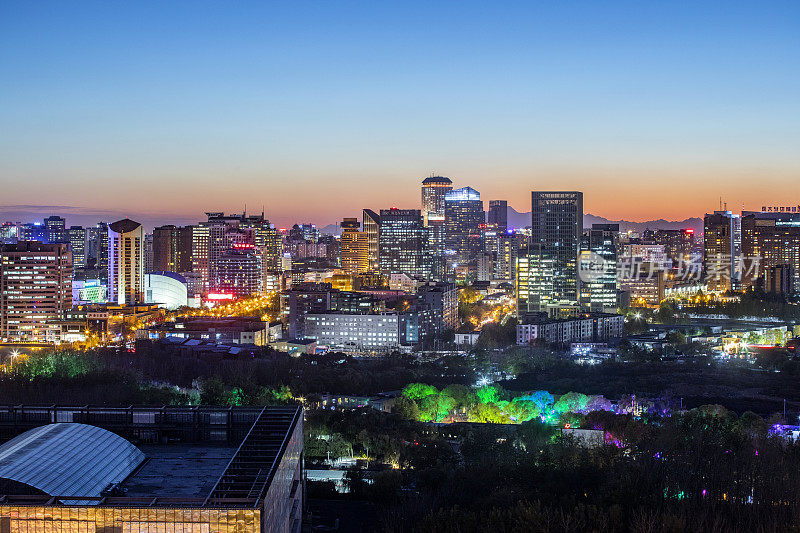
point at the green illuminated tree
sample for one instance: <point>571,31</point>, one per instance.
<point>416,391</point>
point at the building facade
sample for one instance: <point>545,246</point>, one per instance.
<point>35,290</point>
<point>125,262</point>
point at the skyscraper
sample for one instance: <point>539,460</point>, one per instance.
<point>371,225</point>
<point>773,238</point>
<point>599,269</point>
<point>125,262</point>
<point>497,217</point>
<point>556,232</point>
<point>722,246</point>
<point>403,242</point>
<point>55,230</point>
<point>355,248</point>
<point>35,289</point>
<point>77,244</point>
<point>172,248</point>
<point>434,189</point>
<point>464,222</point>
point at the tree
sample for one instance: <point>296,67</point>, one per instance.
<point>416,391</point>
<point>522,410</point>
<point>406,408</point>
<point>490,393</point>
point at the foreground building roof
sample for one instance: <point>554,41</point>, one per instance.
<point>68,459</point>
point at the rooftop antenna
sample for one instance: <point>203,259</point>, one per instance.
<point>726,206</point>
<point>720,203</point>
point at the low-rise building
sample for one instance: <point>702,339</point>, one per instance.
<point>589,328</point>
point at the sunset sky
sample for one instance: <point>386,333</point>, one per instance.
<point>319,109</point>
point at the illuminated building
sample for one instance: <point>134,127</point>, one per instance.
<point>355,248</point>
<point>77,245</point>
<point>35,289</point>
<point>125,262</point>
<point>97,249</point>
<point>34,231</point>
<point>722,247</point>
<point>148,252</point>
<point>645,284</point>
<point>599,269</point>
<point>371,225</point>
<point>201,240</point>
<point>434,189</point>
<point>464,222</point>
<point>9,232</point>
<point>403,243</point>
<point>497,217</point>
<point>594,327</point>
<point>88,292</point>
<point>166,289</point>
<point>437,303</point>
<point>485,267</point>
<point>55,230</point>
<point>358,333</point>
<point>774,238</point>
<point>239,272</point>
<point>192,470</point>
<point>679,244</point>
<point>556,233</point>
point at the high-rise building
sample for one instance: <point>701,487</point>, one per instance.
<point>35,289</point>
<point>497,217</point>
<point>722,247</point>
<point>201,242</point>
<point>172,248</point>
<point>556,233</point>
<point>55,230</point>
<point>77,244</point>
<point>464,222</point>
<point>355,248</point>
<point>403,243</point>
<point>97,249</point>
<point>598,269</point>
<point>239,272</point>
<point>148,252</point>
<point>125,262</point>
<point>434,189</point>
<point>771,240</point>
<point>33,231</point>
<point>371,226</point>
<point>678,244</point>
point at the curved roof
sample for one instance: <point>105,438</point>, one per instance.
<point>67,459</point>
<point>437,179</point>
<point>124,226</point>
<point>168,274</point>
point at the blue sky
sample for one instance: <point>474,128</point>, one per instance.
<point>318,109</point>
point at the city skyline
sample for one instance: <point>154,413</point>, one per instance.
<point>152,108</point>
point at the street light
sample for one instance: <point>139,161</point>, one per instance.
<point>14,355</point>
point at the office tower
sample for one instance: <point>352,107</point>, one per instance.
<point>304,232</point>
<point>77,244</point>
<point>464,222</point>
<point>434,189</point>
<point>678,244</point>
<point>403,242</point>
<point>598,269</point>
<point>148,252</point>
<point>34,231</point>
<point>201,241</point>
<point>35,289</point>
<point>172,248</point>
<point>239,272</point>
<point>497,217</point>
<point>269,242</point>
<point>506,249</point>
<point>556,232</point>
<point>97,249</point>
<point>371,225</point>
<point>771,249</point>
<point>485,266</point>
<point>355,248</point>
<point>125,262</point>
<point>55,230</point>
<point>722,241</point>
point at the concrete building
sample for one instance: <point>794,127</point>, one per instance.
<point>125,262</point>
<point>166,289</point>
<point>362,333</point>
<point>77,245</point>
<point>587,328</point>
<point>771,240</point>
<point>35,290</point>
<point>434,190</point>
<point>598,269</point>
<point>226,469</point>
